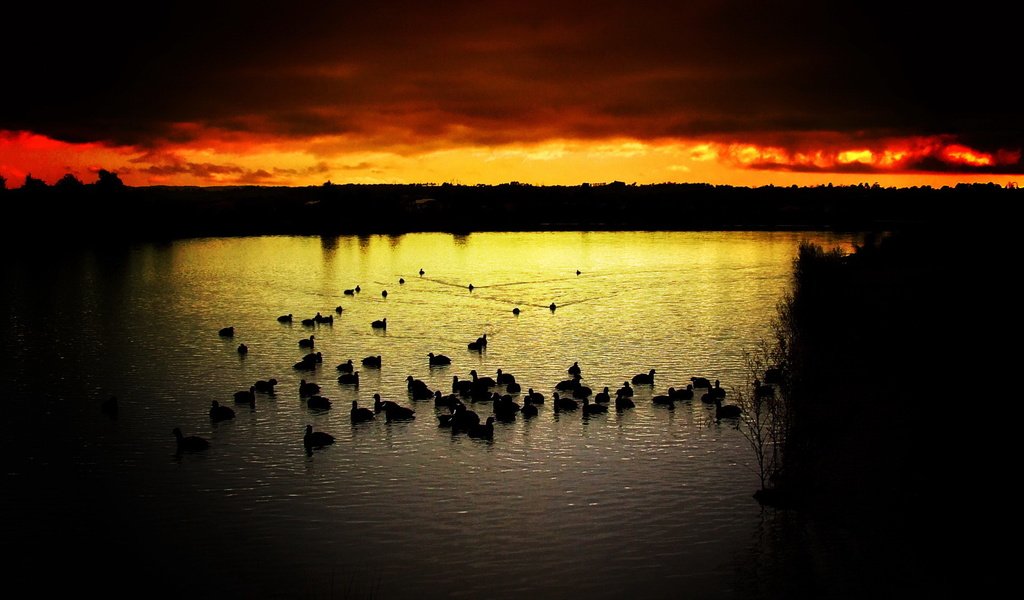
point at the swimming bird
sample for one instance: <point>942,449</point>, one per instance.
<point>360,415</point>
<point>437,360</point>
<point>577,271</point>
<point>372,361</point>
<point>535,397</point>
<point>552,307</point>
<point>220,413</point>
<point>700,382</point>
<point>227,332</point>
<point>593,409</point>
<point>664,400</point>
<point>529,408</point>
<point>319,402</point>
<point>463,387</point>
<point>575,370</point>
<point>442,401</point>
<point>729,411</point>
<point>581,391</point>
<point>513,388</point>
<point>316,439</point>
<point>349,292</point>
<point>308,389</point>
<point>563,403</point>
<point>401,281</point>
<point>504,378</point>
<point>485,382</point>
<point>338,309</point>
<point>479,344</point>
<point>266,387</point>
<point>567,385</point>
<point>603,397</point>
<point>397,412</point>
<point>644,378</point>
<point>308,322</point>
<point>515,310</point>
<point>463,418</point>
<point>485,432</point>
<point>380,405</point>
<point>384,294</point>
<point>349,378</point>
<point>718,391</point>
<point>421,272</point>
<point>328,320</point>
<point>285,318</point>
<point>246,396</point>
<point>686,394</point>
<point>243,349</point>
<point>346,367</point>
<point>505,407</point>
<point>358,289</point>
<point>192,443</point>
<point>307,343</point>
<point>623,403</point>
<point>625,391</point>
<point>470,287</point>
<point>380,324</point>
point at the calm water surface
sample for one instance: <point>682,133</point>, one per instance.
<point>653,502</point>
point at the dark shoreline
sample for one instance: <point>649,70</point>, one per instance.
<point>105,214</point>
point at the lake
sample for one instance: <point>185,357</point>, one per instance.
<point>651,502</point>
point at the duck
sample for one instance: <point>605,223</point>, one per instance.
<point>575,370</point>
<point>316,439</point>
<point>563,403</point>
<point>380,324</point>
<point>397,412</point>
<point>243,349</point>
<point>484,432</point>
<point>437,360</point>
<point>603,397</point>
<point>227,332</point>
<point>192,443</point>
<point>486,382</point>
<point>266,387</point>
<point>109,406</point>
<point>625,390</point>
<point>504,378</point>
<point>593,409</point>
<point>308,389</point>
<point>319,402</point>
<point>535,397</point>
<point>686,394</point>
<point>728,411</point>
<point>463,418</point>
<point>349,378</point>
<point>462,387</point>
<point>372,361</point>
<point>529,408</point>
<point>246,396</point>
<point>220,413</point>
<point>644,378</point>
<point>285,318</point>
<point>360,415</point>
<point>307,343</point>
<point>346,367</point>
<point>623,403</point>
<point>700,382</point>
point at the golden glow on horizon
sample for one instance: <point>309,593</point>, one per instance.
<point>239,160</point>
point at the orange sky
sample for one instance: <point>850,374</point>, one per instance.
<point>484,92</point>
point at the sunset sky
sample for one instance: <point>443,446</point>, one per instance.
<point>298,93</point>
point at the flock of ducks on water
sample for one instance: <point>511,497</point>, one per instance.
<point>570,394</point>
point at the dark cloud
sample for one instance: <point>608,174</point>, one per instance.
<point>402,73</point>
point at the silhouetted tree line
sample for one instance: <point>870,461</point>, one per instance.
<point>166,212</point>
<point>871,359</point>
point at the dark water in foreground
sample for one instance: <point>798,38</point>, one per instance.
<point>654,503</point>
